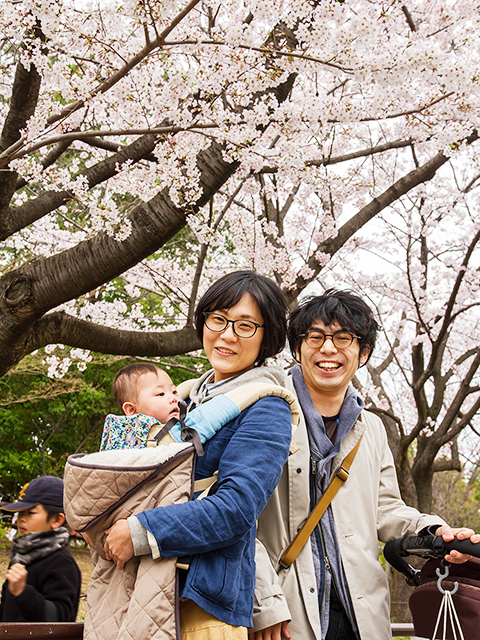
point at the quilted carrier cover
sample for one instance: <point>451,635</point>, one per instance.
<point>140,601</point>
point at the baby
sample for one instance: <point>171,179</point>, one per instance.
<point>149,400</point>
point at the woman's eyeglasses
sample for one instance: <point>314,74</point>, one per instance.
<point>241,328</point>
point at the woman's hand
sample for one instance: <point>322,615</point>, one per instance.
<point>87,539</point>
<point>17,579</point>
<point>118,545</point>
<point>275,632</point>
<point>448,534</point>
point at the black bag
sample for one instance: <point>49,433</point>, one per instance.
<point>425,601</point>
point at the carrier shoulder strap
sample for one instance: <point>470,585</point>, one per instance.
<point>296,545</point>
<point>244,396</point>
<point>247,394</point>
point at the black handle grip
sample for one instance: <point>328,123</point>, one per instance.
<point>464,546</point>
<point>430,547</point>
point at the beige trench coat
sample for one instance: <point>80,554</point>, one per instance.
<point>367,508</point>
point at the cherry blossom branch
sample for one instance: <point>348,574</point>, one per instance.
<point>17,218</point>
<point>380,148</point>
<point>402,186</point>
<point>447,317</point>
<point>362,153</point>
<point>113,79</point>
<point>267,50</point>
<point>205,246</point>
<point>84,135</point>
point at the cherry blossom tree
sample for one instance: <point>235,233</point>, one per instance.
<point>150,146</point>
<point>424,379</point>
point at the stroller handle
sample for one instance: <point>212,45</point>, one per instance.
<point>428,547</point>
<point>395,552</point>
<point>464,546</point>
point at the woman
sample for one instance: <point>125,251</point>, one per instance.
<point>241,321</point>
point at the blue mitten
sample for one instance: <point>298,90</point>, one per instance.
<point>208,418</point>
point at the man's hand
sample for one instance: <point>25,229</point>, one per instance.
<point>275,632</point>
<point>448,534</point>
<point>118,545</point>
<point>17,579</point>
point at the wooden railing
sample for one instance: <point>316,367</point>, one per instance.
<point>402,629</point>
<point>38,630</point>
<point>74,630</point>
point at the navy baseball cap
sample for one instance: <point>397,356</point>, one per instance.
<point>44,490</point>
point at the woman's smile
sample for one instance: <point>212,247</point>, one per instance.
<point>229,354</point>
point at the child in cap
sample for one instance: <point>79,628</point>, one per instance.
<point>43,580</point>
<point>149,400</point>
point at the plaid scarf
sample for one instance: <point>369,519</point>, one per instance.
<point>38,544</point>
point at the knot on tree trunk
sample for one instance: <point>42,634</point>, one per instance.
<point>17,292</point>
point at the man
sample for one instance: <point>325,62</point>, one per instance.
<point>336,589</point>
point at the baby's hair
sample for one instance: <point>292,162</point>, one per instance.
<point>124,383</point>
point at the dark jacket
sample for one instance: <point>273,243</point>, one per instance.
<point>51,595</point>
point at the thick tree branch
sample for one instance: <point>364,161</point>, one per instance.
<point>59,327</point>
<point>423,174</point>
<point>25,91</point>
<point>20,217</point>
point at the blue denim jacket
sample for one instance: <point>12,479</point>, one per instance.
<point>219,530</point>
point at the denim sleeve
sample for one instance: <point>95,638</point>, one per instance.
<point>249,469</point>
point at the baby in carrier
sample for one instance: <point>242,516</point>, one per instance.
<point>149,400</point>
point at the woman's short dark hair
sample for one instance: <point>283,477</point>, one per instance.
<point>227,291</point>
<point>344,307</point>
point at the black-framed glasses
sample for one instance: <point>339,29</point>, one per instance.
<point>241,328</point>
<point>341,339</point>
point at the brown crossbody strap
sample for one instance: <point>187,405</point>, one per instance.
<point>296,545</point>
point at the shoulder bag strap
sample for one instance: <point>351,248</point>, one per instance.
<point>296,545</point>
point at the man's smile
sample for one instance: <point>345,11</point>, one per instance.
<point>328,365</point>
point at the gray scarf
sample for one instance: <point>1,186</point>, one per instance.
<point>322,451</point>
<point>203,389</point>
<point>38,544</point>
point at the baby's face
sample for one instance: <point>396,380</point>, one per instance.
<point>157,396</point>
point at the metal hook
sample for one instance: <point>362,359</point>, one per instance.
<point>442,576</point>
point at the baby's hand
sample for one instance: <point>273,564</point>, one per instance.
<point>17,579</point>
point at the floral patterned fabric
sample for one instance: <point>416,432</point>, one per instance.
<point>126,432</point>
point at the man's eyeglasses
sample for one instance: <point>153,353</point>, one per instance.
<point>241,328</point>
<point>341,339</point>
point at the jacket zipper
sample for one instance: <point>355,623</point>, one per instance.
<point>326,562</point>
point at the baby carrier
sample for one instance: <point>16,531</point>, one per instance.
<point>100,488</point>
<point>445,604</point>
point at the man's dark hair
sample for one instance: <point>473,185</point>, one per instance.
<point>126,379</point>
<point>344,307</point>
<point>227,291</point>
